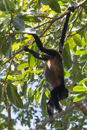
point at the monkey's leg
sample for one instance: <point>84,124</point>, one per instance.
<point>54,96</point>
<point>50,108</point>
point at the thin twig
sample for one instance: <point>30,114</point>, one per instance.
<point>79,30</point>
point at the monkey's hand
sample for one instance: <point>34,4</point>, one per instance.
<point>25,48</point>
<point>71,8</point>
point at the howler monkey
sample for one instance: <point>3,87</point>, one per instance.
<point>54,71</point>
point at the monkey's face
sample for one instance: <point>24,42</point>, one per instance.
<point>63,95</point>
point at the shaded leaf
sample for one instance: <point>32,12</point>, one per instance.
<point>29,18</point>
<point>11,5</point>
<point>77,40</point>
<point>85,8</point>
<point>43,104</point>
<point>67,56</point>
<point>83,58</point>
<point>18,23</point>
<point>30,96</point>
<point>85,35</point>
<point>54,5</point>
<point>14,96</point>
<point>24,88</point>
<point>0,94</point>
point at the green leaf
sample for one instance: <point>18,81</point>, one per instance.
<point>82,81</point>
<point>2,14</point>
<point>31,61</point>
<point>22,66</point>
<point>66,74</point>
<point>85,35</point>
<point>30,96</point>
<point>79,52</point>
<point>3,45</point>
<point>27,31</point>
<point>11,5</point>
<point>13,95</point>
<point>19,77</point>
<point>10,39</point>
<point>47,93</point>
<point>18,23</point>
<point>24,88</point>
<point>43,104</point>
<point>29,18</point>
<point>38,98</point>
<point>75,92</point>
<point>16,83</point>
<point>36,71</point>
<point>11,77</point>
<point>79,88</point>
<point>54,5</point>
<point>79,97</point>
<point>83,58</point>
<point>77,40</point>
<point>0,93</point>
<point>85,8</point>
<point>67,56</point>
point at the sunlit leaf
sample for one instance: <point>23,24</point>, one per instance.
<point>2,14</point>
<point>79,88</point>
<point>31,61</point>
<point>79,97</point>
<point>66,74</point>
<point>22,66</point>
<point>10,77</point>
<point>82,81</point>
<point>36,71</point>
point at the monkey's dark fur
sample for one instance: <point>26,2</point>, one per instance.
<point>54,72</point>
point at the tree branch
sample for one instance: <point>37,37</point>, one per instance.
<point>50,23</point>
<point>63,113</point>
<point>62,15</point>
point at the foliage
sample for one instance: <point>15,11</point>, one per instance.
<point>22,82</point>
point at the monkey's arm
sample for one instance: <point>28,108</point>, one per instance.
<point>37,55</point>
<point>64,30</point>
<point>40,46</point>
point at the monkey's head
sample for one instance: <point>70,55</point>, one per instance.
<point>63,94</point>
